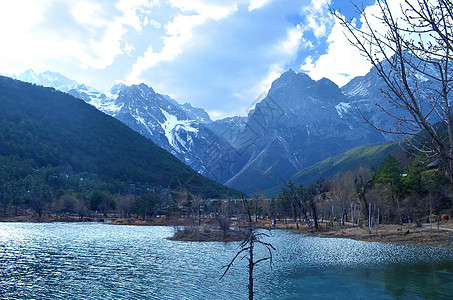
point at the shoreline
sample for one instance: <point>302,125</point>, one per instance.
<point>425,236</point>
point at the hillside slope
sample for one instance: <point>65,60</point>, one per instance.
<point>369,156</point>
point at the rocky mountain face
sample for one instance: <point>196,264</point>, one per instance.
<point>368,95</point>
<point>179,129</point>
<point>300,122</point>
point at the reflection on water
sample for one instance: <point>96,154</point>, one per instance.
<point>428,281</point>
<point>92,261</point>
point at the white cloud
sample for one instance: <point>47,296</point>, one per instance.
<point>343,61</point>
<point>155,24</point>
<point>217,54</point>
<point>178,33</point>
<point>291,44</point>
<point>220,56</point>
<point>103,52</point>
<point>85,12</point>
<point>256,4</point>
<point>128,48</point>
<point>202,8</point>
<point>40,33</point>
<point>17,39</point>
<point>317,20</point>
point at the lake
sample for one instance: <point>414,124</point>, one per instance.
<point>99,261</point>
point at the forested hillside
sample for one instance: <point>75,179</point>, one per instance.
<point>51,142</point>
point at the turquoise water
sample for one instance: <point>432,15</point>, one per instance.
<point>97,261</point>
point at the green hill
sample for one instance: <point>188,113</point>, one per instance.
<point>43,130</point>
<point>366,156</point>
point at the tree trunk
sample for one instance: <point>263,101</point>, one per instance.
<point>448,121</point>
<point>333,218</point>
<point>399,211</point>
<point>358,215</point>
<point>251,265</point>
<point>295,217</point>
<point>430,212</point>
<point>352,214</point>
<point>314,211</point>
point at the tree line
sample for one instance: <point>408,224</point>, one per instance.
<point>403,190</point>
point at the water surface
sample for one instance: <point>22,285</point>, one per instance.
<point>97,261</point>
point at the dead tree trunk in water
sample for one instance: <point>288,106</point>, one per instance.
<point>247,246</point>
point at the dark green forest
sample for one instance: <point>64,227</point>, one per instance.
<point>52,144</point>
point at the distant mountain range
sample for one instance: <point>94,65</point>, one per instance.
<point>299,123</point>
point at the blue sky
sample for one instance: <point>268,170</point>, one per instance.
<point>221,55</point>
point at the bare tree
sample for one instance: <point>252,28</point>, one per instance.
<point>413,58</point>
<point>311,193</point>
<point>298,203</point>
<point>343,192</point>
<point>125,205</point>
<point>362,181</point>
<point>247,247</point>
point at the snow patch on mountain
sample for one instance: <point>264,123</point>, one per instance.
<point>342,108</point>
<point>360,89</point>
<point>142,121</point>
<point>29,76</point>
<point>102,100</point>
<point>172,125</point>
<point>48,79</point>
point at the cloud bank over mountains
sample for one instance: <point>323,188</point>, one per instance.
<point>217,54</point>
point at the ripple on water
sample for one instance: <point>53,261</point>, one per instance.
<point>92,261</point>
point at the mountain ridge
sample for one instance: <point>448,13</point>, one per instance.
<point>300,122</point>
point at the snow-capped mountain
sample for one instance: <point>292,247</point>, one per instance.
<point>178,128</point>
<point>48,79</point>
<point>299,123</point>
<point>105,101</point>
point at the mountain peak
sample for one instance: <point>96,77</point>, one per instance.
<point>48,79</point>
<point>327,83</point>
<point>117,88</point>
<point>292,76</point>
<point>142,87</point>
<point>30,71</point>
<point>29,76</point>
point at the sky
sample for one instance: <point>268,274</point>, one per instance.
<point>220,55</point>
